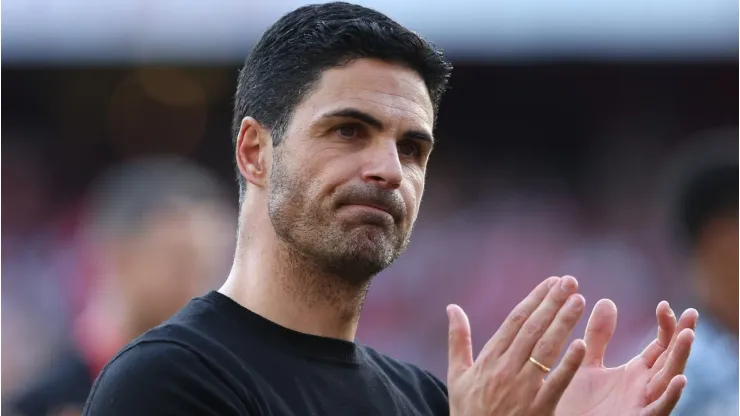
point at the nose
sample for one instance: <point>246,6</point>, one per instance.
<point>383,166</point>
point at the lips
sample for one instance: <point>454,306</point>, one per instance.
<point>385,200</point>
<point>393,209</point>
<point>376,206</point>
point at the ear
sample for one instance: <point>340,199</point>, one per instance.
<point>253,148</point>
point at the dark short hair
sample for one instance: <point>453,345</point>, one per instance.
<point>288,60</point>
<point>711,193</point>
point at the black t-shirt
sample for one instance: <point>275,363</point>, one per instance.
<point>215,357</point>
<point>62,390</point>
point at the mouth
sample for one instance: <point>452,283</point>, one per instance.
<point>371,208</point>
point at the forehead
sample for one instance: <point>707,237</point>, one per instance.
<point>386,90</point>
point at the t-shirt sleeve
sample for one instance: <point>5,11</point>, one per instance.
<point>161,378</point>
<point>438,383</point>
<point>439,399</point>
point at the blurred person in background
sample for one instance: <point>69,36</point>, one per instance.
<point>33,313</point>
<point>159,232</point>
<point>708,215</point>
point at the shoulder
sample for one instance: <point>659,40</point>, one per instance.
<point>411,379</point>
<point>713,358</point>
<point>164,377</point>
<point>712,372</point>
<point>67,384</point>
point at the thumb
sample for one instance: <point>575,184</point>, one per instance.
<point>599,331</point>
<point>460,343</point>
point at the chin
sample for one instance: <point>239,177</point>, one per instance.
<point>359,260</point>
<point>358,271</point>
<point>371,234</point>
<point>355,253</point>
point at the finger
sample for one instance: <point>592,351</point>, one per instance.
<point>548,348</point>
<point>668,400</point>
<point>666,329</point>
<point>460,347</point>
<point>666,323</point>
<point>552,389</point>
<point>513,323</point>
<point>536,325</point>
<point>674,366</point>
<point>599,331</point>
<point>688,320</point>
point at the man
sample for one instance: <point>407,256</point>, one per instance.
<point>333,120</point>
<point>158,229</point>
<point>708,215</point>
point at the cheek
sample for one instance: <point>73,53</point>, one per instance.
<point>331,175</point>
<point>284,183</point>
<point>296,192</point>
<point>412,192</point>
<point>416,179</point>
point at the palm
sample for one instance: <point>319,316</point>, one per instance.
<point>607,391</point>
<point>647,385</point>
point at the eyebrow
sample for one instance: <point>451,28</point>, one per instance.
<point>377,124</point>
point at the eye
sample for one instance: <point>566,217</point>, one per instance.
<point>348,131</point>
<point>409,148</point>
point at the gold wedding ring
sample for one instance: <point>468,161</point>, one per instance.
<point>539,365</point>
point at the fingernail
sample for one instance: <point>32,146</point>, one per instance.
<point>567,283</point>
<point>573,302</point>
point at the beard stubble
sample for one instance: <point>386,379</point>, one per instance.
<point>315,238</point>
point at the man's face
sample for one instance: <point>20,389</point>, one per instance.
<point>347,180</point>
<point>179,254</point>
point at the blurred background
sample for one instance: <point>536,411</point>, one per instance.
<point>568,130</point>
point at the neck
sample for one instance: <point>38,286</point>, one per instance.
<point>285,287</point>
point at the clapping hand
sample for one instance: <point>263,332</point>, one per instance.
<point>648,385</point>
<point>508,377</point>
